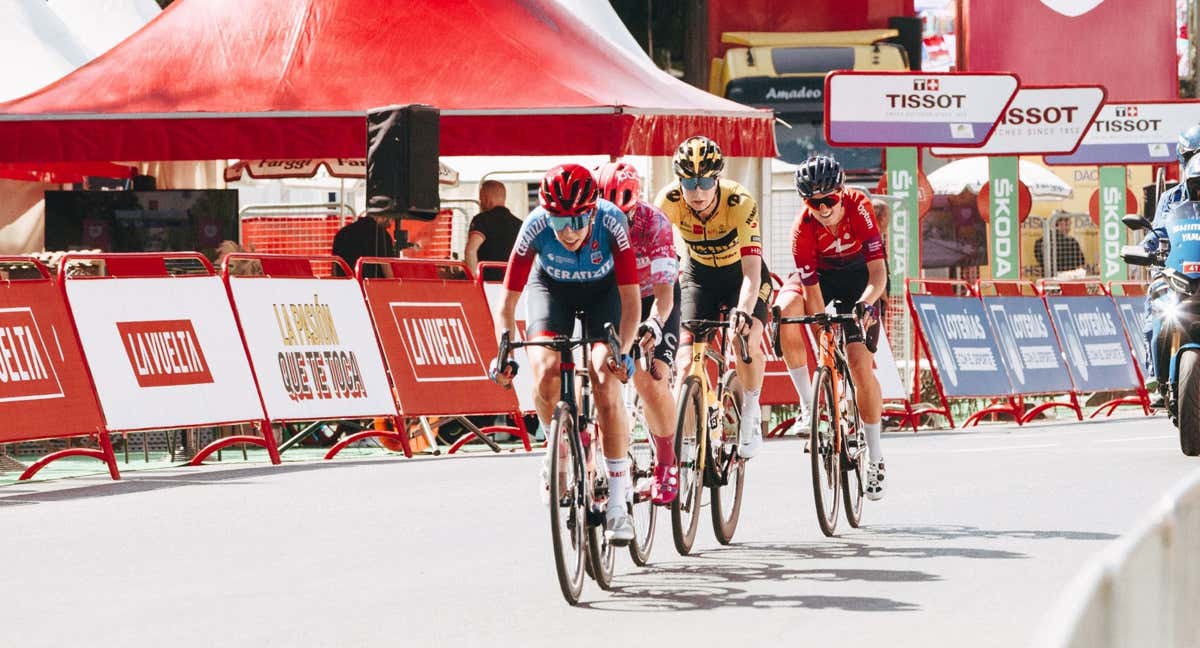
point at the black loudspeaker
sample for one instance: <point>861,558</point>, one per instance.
<point>144,183</point>
<point>910,38</point>
<point>402,161</point>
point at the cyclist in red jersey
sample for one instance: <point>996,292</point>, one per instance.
<point>839,256</point>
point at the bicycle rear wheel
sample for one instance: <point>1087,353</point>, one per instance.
<point>689,437</point>
<point>602,555</point>
<point>826,465</point>
<point>854,457</point>
<point>729,469</point>
<point>568,521</point>
<point>641,468</point>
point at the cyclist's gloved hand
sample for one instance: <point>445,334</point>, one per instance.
<point>832,307</point>
<point>865,313</point>
<point>740,321</point>
<point>649,335</point>
<point>502,375</point>
<point>627,365</point>
<point>1157,239</point>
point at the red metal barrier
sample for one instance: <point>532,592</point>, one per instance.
<point>435,328</point>
<point>309,337</point>
<point>1140,397</point>
<point>162,344</point>
<point>1015,406</point>
<point>46,390</point>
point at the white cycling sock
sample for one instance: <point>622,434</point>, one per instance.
<point>874,444</point>
<point>804,386</point>
<point>750,402</point>
<point>618,482</point>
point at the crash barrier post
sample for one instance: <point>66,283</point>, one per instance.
<point>433,322</point>
<point>1142,589</point>
<point>1092,333</point>
<point>312,348</point>
<point>160,339</point>
<point>1030,347</point>
<point>46,391</point>
<point>1130,298</point>
<point>494,291</point>
<point>778,389</point>
<point>953,334</point>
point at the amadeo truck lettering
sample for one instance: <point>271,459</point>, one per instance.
<point>164,353</point>
<point>26,371</point>
<point>438,341</point>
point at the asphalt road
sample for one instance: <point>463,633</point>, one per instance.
<point>979,533</point>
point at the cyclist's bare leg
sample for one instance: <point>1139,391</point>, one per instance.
<point>544,366</point>
<point>610,407</point>
<point>751,374</point>
<point>866,385</point>
<point>657,401</point>
<point>791,337</point>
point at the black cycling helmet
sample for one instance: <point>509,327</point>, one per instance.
<point>698,157</point>
<point>819,174</point>
<point>1189,143</point>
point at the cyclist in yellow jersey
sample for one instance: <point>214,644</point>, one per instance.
<point>718,220</point>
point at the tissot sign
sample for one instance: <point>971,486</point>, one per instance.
<point>1133,133</point>
<point>1040,121</point>
<point>914,109</point>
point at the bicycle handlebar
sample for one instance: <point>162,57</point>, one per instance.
<point>561,343</point>
<point>823,320</point>
<point>708,325</point>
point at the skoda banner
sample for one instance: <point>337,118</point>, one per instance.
<point>962,346</point>
<point>1133,133</point>
<point>903,245</point>
<point>1003,207</point>
<point>1093,341</point>
<point>914,109</point>
<point>1112,230</point>
<point>1133,313</point>
<point>1026,339</point>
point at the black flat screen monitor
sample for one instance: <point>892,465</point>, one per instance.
<point>178,220</point>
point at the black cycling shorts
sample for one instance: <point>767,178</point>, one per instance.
<point>550,306</point>
<point>665,350</point>
<point>705,290</point>
<point>847,285</point>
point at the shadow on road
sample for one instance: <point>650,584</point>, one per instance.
<point>959,532</point>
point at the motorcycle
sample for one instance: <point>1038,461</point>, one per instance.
<point>1174,298</point>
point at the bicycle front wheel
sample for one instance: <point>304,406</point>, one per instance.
<point>568,522</point>
<point>643,512</point>
<point>689,443</point>
<point>729,471</point>
<point>854,457</point>
<point>826,465</point>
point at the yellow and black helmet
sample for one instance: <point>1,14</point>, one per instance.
<point>698,157</point>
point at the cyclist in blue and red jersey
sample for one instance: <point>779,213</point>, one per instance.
<point>838,250</point>
<point>658,278</point>
<point>573,254</point>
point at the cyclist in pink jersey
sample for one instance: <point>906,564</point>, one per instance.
<point>658,277</point>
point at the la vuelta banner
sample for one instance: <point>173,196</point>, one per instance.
<point>164,352</point>
<point>903,244</point>
<point>313,348</point>
<point>1027,341</point>
<point>1112,230</point>
<point>439,342</point>
<point>42,375</point>
<point>962,346</point>
<point>1093,339</point>
<point>1003,209</point>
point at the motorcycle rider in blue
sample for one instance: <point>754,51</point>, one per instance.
<point>1186,148</point>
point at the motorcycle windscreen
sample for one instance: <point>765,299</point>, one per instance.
<point>1183,228</point>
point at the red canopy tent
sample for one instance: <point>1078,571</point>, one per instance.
<point>218,79</point>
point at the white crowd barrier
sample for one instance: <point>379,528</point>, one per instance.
<point>1143,589</point>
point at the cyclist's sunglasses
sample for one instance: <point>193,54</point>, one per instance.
<point>829,201</point>
<point>576,222</point>
<point>692,184</point>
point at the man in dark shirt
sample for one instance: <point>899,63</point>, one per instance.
<point>1068,255</point>
<point>493,231</point>
<point>367,236</point>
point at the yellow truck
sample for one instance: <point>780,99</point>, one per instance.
<point>786,73</point>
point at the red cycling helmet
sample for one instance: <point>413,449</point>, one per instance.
<point>568,190</point>
<point>619,184</point>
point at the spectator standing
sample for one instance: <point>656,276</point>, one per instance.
<point>367,236</point>
<point>1066,254</point>
<point>493,230</point>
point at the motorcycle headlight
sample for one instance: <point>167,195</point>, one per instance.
<point>1182,283</point>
